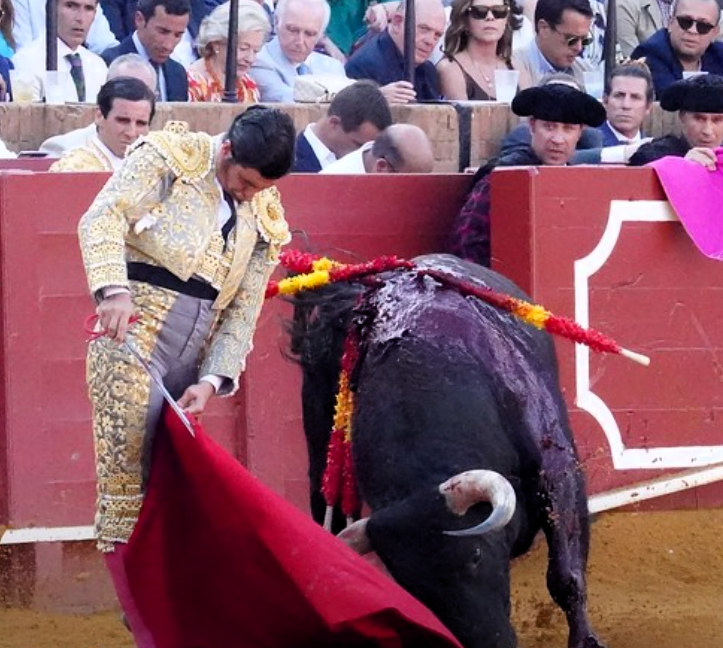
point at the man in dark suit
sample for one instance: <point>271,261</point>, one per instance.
<point>356,116</point>
<point>160,25</point>
<point>121,15</point>
<point>381,58</point>
<point>628,99</point>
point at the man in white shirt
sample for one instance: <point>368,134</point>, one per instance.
<point>401,148</point>
<point>30,24</point>
<point>127,65</point>
<point>356,115</point>
<point>300,25</point>
<point>86,71</point>
<point>125,109</point>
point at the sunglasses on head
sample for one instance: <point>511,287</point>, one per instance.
<point>702,27</point>
<point>479,12</point>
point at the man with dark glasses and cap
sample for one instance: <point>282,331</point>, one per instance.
<point>687,45</point>
<point>699,102</point>
<point>562,30</point>
<point>557,113</point>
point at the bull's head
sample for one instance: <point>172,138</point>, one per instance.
<point>460,573</point>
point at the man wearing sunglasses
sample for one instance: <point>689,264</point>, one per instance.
<point>562,30</point>
<point>687,45</point>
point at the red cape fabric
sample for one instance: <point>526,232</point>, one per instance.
<point>696,195</point>
<point>217,560</point>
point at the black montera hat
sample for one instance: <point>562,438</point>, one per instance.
<point>701,93</point>
<point>559,102</point>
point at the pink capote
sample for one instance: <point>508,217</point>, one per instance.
<point>696,194</point>
<point>217,560</point>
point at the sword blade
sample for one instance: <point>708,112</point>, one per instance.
<point>162,388</point>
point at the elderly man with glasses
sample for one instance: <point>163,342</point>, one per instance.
<point>686,46</point>
<point>562,30</point>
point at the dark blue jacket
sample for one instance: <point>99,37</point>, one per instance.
<point>380,60</point>
<point>305,160</point>
<point>121,16</point>
<point>173,72</point>
<point>664,64</point>
<point>5,66</point>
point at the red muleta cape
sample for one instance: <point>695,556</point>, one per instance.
<point>217,560</point>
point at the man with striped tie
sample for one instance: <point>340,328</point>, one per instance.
<point>85,71</point>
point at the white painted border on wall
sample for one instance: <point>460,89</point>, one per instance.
<point>625,211</point>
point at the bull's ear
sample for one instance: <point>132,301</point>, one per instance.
<point>356,537</point>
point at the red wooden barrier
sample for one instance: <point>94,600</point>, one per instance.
<point>45,441</point>
<point>603,246</point>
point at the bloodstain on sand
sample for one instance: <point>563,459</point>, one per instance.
<point>655,581</point>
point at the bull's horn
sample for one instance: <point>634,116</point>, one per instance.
<point>356,537</point>
<point>469,488</point>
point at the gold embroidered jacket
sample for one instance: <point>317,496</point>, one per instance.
<point>84,158</point>
<point>162,208</point>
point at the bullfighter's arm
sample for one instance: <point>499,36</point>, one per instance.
<point>233,338</point>
<point>127,196</point>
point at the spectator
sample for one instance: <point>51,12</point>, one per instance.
<point>400,148</point>
<point>638,20</point>
<point>86,70</point>
<point>381,58</point>
<point>127,65</point>
<point>300,25</point>
<point>557,114</point>
<point>686,46</point>
<point>699,102</point>
<point>7,20</point>
<point>562,29</point>
<point>478,41</point>
<point>592,147</point>
<point>30,25</point>
<point>160,26</point>
<point>207,76</point>
<point>121,16</point>
<point>356,115</point>
<point>124,113</point>
<point>628,99</point>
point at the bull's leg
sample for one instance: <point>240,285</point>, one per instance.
<point>567,529</point>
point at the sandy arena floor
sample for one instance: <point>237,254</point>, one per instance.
<point>656,581</point>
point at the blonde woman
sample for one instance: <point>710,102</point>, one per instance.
<point>207,76</point>
<point>478,41</point>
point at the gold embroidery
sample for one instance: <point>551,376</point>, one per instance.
<point>83,158</point>
<point>119,392</point>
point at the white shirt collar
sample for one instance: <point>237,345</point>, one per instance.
<point>621,138</point>
<point>321,150</point>
<point>114,160</point>
<point>64,50</point>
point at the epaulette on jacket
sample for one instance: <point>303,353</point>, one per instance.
<point>189,155</point>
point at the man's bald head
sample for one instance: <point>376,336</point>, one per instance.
<point>403,148</point>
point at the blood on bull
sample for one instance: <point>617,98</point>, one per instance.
<point>461,443</point>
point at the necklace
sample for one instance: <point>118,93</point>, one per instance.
<point>487,78</point>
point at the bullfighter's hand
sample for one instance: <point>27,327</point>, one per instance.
<point>399,92</point>
<point>196,397</point>
<point>703,156</point>
<point>113,315</point>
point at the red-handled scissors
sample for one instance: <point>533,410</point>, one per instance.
<point>91,327</point>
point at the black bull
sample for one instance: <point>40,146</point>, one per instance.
<point>448,384</point>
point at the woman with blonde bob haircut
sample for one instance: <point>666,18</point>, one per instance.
<point>206,77</point>
<point>478,41</point>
